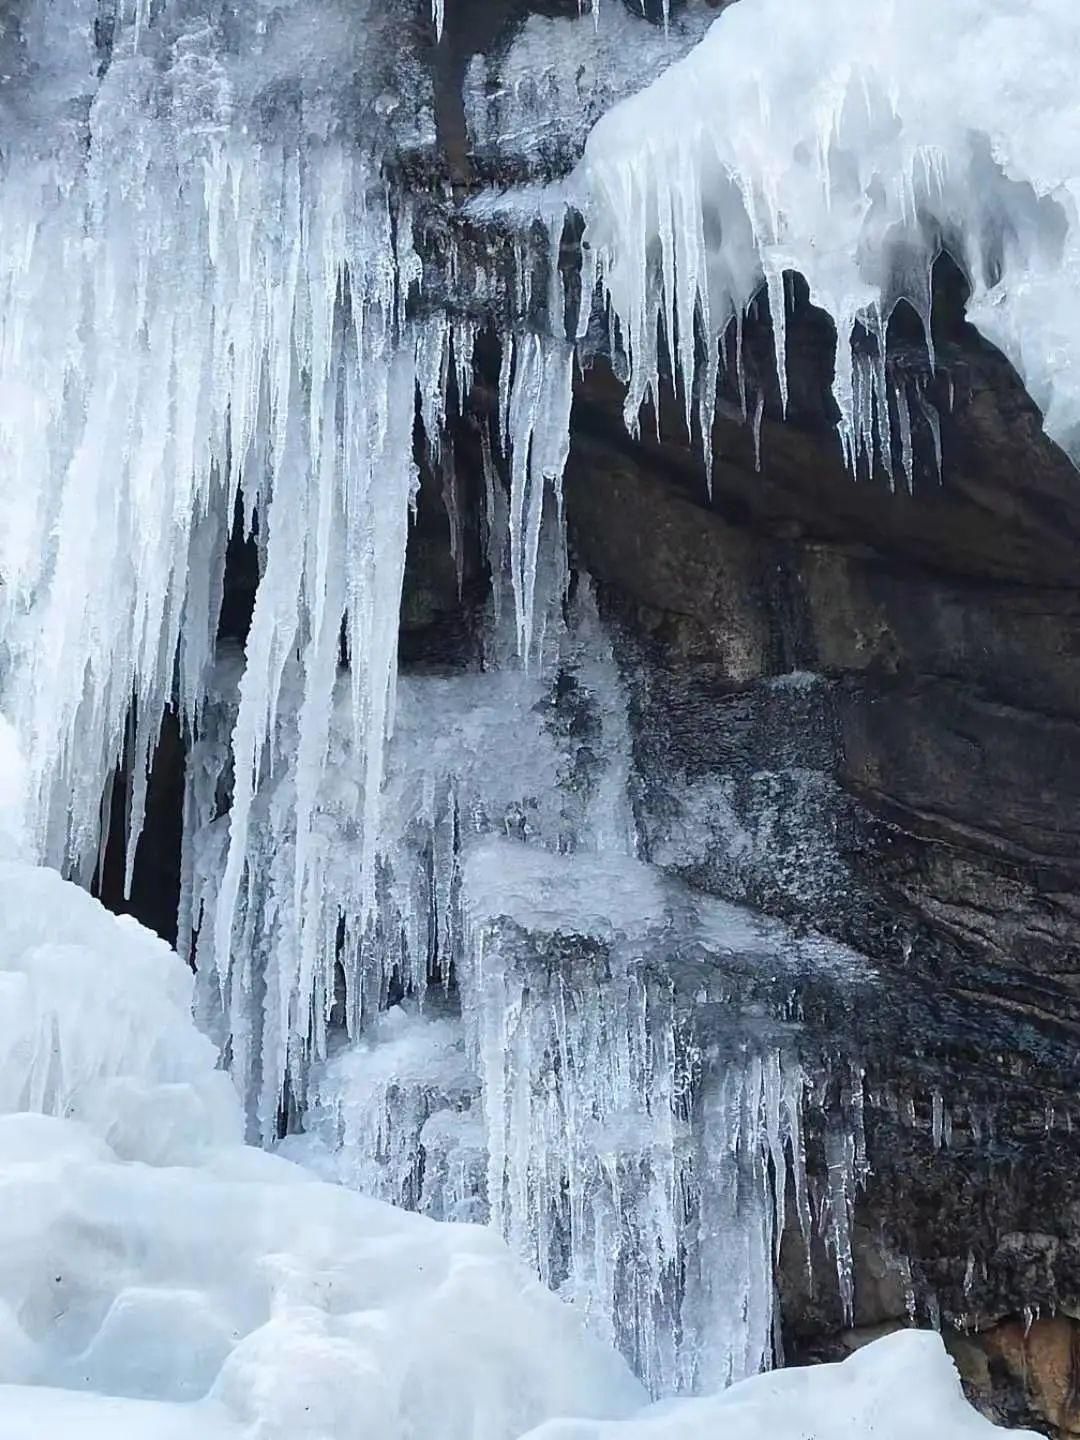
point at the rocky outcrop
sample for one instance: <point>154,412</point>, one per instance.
<point>859,707</point>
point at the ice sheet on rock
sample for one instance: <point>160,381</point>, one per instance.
<point>538,100</point>
<point>849,142</point>
<point>95,1022</point>
<point>641,1125</point>
<point>901,1386</point>
<point>612,896</point>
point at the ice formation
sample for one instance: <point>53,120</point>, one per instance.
<point>237,296</point>
<point>159,1278</point>
<point>849,142</point>
<point>422,934</point>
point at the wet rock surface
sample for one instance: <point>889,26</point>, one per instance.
<point>858,707</point>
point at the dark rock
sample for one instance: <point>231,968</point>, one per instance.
<point>859,708</point>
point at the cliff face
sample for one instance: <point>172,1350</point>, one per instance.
<point>857,707</point>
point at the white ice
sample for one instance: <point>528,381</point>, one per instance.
<point>849,140</point>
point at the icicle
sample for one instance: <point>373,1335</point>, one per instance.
<point>759,411</point>
<point>906,448</point>
<point>776,289</point>
<point>538,425</point>
<point>833,160</point>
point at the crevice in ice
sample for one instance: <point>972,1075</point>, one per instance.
<point>154,892</point>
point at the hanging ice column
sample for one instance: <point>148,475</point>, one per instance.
<point>850,142</point>
<point>204,307</point>
<point>200,305</point>
<point>640,1133</point>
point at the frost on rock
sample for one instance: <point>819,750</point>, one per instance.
<point>850,142</point>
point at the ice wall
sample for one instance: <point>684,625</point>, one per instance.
<point>202,292</point>
<point>470,754</point>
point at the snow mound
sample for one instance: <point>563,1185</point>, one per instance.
<point>902,1387</point>
<point>276,1305</point>
<point>161,1281</point>
<point>95,1024</point>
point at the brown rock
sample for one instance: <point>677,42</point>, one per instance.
<point>1045,1358</point>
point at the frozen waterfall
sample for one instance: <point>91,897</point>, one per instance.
<point>427,950</point>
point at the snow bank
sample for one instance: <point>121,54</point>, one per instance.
<point>849,141</point>
<point>903,1387</point>
<point>283,1305</point>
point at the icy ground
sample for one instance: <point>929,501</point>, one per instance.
<point>161,1281</point>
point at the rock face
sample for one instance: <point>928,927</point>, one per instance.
<point>858,708</point>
